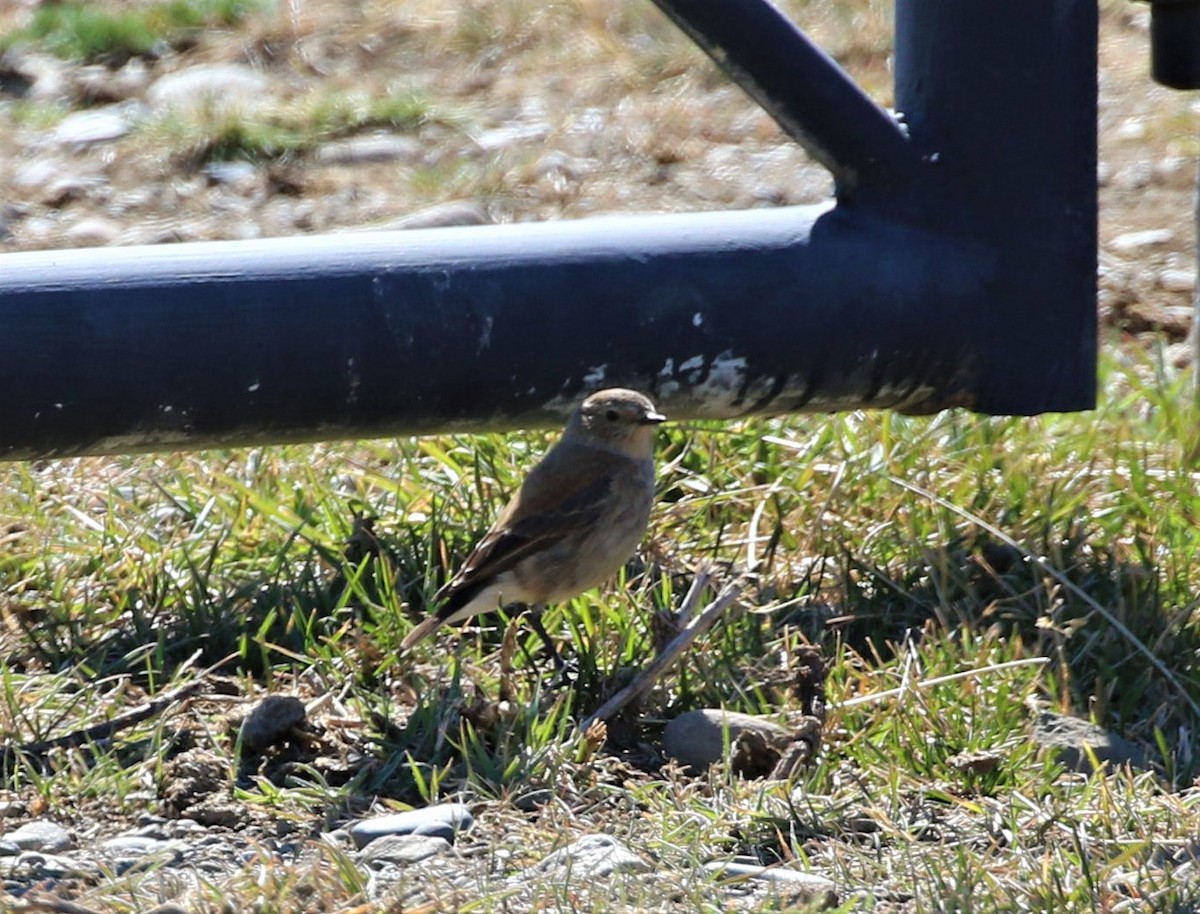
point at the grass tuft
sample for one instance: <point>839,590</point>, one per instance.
<point>83,31</point>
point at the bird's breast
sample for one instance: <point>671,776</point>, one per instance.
<point>588,558</point>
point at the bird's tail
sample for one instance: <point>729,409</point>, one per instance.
<point>425,627</point>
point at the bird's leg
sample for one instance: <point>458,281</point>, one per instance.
<point>535,622</point>
<point>565,671</point>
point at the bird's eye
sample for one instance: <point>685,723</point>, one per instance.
<point>611,415</point>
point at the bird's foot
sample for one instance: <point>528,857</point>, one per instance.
<point>566,673</point>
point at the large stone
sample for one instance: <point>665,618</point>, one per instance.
<point>442,821</point>
<point>271,721</point>
<point>218,85</point>
<point>1077,740</point>
<point>800,887</point>
<point>40,835</point>
<point>699,738</point>
<point>96,125</point>
<point>368,148</point>
<point>402,849</point>
<point>591,857</point>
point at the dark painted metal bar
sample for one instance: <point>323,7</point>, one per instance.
<point>1175,43</point>
<point>802,87</point>
<point>967,281</point>
<point>300,339</point>
<point>1001,100</point>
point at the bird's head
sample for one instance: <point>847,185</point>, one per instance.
<point>619,418</point>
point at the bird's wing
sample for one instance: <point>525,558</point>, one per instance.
<point>525,533</point>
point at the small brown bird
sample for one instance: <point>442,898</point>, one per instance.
<point>575,520</point>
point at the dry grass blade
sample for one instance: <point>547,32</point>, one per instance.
<point>909,685</point>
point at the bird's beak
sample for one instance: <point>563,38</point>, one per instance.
<point>653,418</point>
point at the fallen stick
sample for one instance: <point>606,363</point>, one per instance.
<point>693,628</point>
<point>109,728</point>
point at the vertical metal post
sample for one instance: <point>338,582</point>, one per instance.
<point>1012,162</point>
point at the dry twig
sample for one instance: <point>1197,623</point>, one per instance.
<point>691,628</point>
<point>105,730</point>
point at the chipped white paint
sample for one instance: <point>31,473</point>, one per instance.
<point>668,386</point>
<point>718,391</point>
<point>594,378</point>
<point>255,386</point>
<point>697,319</point>
<point>727,369</point>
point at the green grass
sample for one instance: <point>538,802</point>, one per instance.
<point>211,133</point>
<point>83,31</point>
<point>305,566</point>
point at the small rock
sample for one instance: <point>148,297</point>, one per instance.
<point>805,887</point>
<point>100,84</point>
<point>1134,176</point>
<point>232,172</point>
<point>699,738</point>
<point>440,215</point>
<point>1149,316</point>
<point>1133,128</point>
<point>216,85</point>
<point>503,137</point>
<point>393,849</point>
<point>271,721</point>
<point>1135,242</point>
<point>135,845</point>
<point>40,835</point>
<point>442,821</point>
<point>1177,280</point>
<point>44,76</point>
<point>1172,166</point>
<point>129,851</point>
<point>156,830</point>
<point>8,849</point>
<point>1072,738</point>
<point>591,857</point>
<point>1181,355</point>
<point>70,187</point>
<point>358,150</point>
<point>38,865</point>
<point>97,125</point>
<point>93,231</point>
<point>558,164</point>
<point>37,174</point>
